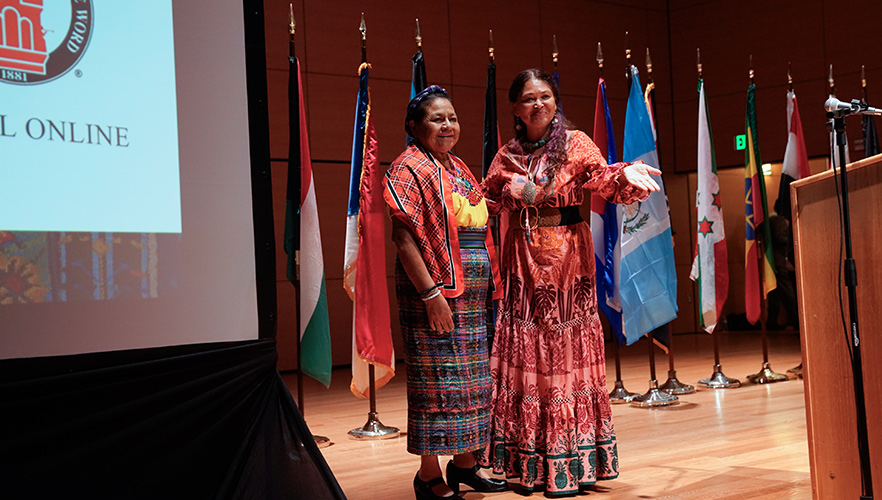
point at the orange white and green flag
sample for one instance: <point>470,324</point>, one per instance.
<point>302,235</point>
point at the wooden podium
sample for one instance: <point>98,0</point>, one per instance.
<point>829,391</point>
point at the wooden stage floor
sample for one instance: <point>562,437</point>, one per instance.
<point>743,443</point>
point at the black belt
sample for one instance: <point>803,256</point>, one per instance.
<point>533,217</point>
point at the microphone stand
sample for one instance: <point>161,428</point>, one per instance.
<point>838,117</point>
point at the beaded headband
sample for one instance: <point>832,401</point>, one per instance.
<point>414,104</point>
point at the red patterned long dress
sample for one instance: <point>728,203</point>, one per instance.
<point>552,422</point>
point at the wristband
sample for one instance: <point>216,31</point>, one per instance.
<point>427,291</point>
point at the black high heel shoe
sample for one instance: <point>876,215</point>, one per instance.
<point>423,489</point>
<point>469,476</point>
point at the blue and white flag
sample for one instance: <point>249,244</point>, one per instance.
<point>647,274</point>
<point>604,226</point>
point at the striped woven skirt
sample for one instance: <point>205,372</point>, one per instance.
<point>448,375</point>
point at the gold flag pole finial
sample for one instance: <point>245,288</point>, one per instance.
<point>864,81</point>
<point>830,82</point>
<point>648,65</point>
<point>554,52</point>
<point>363,28</point>
<point>292,26</point>
<point>418,37</point>
<point>789,77</point>
<point>490,49</point>
<point>600,58</point>
<point>751,73</point>
<point>698,63</point>
<point>627,57</point>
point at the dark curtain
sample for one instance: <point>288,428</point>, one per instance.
<point>212,421</point>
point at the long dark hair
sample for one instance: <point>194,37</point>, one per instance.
<point>556,148</point>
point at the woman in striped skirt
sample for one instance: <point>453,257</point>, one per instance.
<point>446,275</point>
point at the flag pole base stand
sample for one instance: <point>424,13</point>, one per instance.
<point>321,441</point>
<point>374,429</point>
<point>674,386</point>
<point>766,376</point>
<point>621,395</point>
<point>796,371</point>
<point>654,398</point>
<point>720,381</point>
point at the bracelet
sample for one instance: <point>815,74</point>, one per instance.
<point>431,296</point>
<point>427,291</point>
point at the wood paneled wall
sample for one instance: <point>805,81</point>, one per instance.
<point>809,34</point>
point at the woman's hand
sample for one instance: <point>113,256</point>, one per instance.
<point>437,309</point>
<point>638,176</point>
<point>440,316</point>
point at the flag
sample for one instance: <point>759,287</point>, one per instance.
<point>491,125</point>
<point>756,231</point>
<point>418,80</point>
<point>796,164</point>
<point>302,234</point>
<point>647,274</point>
<point>871,140</point>
<point>662,335</point>
<point>710,268</point>
<point>604,224</point>
<point>498,223</point>
<point>364,268</point>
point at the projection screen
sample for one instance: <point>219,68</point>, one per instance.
<point>125,170</point>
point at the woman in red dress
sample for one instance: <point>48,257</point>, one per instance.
<point>552,423</point>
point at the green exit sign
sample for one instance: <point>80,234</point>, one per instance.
<point>740,142</point>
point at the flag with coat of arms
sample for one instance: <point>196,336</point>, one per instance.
<point>647,274</point>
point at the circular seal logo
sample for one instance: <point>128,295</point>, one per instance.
<point>42,39</point>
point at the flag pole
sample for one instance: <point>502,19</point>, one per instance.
<point>671,385</point>
<point>717,380</point>
<point>864,81</point>
<point>418,38</point>
<point>619,394</point>
<point>627,57</point>
<point>797,370</point>
<point>790,77</point>
<point>294,150</point>
<point>292,57</point>
<point>830,82</point>
<point>373,428</point>
<point>654,397</point>
<point>766,375</point>
<point>868,123</point>
<point>491,135</point>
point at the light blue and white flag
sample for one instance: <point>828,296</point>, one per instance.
<point>647,275</point>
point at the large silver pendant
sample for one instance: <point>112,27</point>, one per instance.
<point>529,193</point>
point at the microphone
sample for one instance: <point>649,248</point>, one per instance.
<point>855,106</point>
<point>834,104</point>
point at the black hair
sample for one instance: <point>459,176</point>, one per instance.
<point>416,108</point>
<point>557,140</point>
